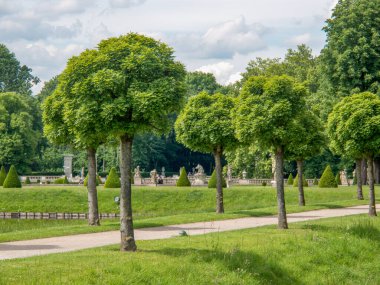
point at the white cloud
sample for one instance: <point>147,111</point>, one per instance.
<point>125,3</point>
<point>300,39</point>
<point>234,77</point>
<point>231,37</point>
<point>221,70</point>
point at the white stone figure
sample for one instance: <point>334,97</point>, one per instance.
<point>153,176</point>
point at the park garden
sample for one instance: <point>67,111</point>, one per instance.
<point>116,105</point>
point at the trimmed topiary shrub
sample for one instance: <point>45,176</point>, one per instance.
<point>27,180</point>
<point>212,181</point>
<point>183,180</point>
<point>328,179</point>
<point>113,180</point>
<point>295,182</point>
<point>98,181</point>
<point>290,179</point>
<point>337,179</point>
<point>3,175</point>
<point>315,182</point>
<point>355,180</point>
<point>62,180</point>
<point>12,180</point>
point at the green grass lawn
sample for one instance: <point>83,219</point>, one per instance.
<point>331,251</point>
<point>153,206</point>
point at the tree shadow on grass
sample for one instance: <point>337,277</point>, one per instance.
<point>237,261</point>
<point>330,206</point>
<point>252,213</point>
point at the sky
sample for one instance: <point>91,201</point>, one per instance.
<point>217,36</point>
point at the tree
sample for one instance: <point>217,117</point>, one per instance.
<point>3,175</point>
<point>19,130</point>
<point>48,89</point>
<point>13,76</point>
<point>308,140</point>
<point>266,113</point>
<point>354,130</point>
<point>140,87</point>
<point>183,180</point>
<point>12,180</point>
<point>351,57</point>
<point>327,179</point>
<point>198,81</point>
<point>205,125</point>
<point>113,180</point>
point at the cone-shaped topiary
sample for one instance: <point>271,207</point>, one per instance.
<point>85,182</point>
<point>328,179</point>
<point>212,181</point>
<point>295,182</point>
<point>290,179</point>
<point>113,180</point>
<point>315,182</point>
<point>337,179</point>
<point>62,180</point>
<point>183,180</point>
<point>3,175</point>
<point>12,180</point>
<point>27,180</point>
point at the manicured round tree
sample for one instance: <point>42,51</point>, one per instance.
<point>212,182</point>
<point>12,180</point>
<point>205,125</point>
<point>183,180</point>
<point>308,141</point>
<point>327,179</point>
<point>290,179</point>
<point>266,114</point>
<point>3,175</point>
<point>143,87</point>
<point>113,180</point>
<point>354,130</point>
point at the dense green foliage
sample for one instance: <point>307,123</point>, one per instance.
<point>12,180</point>
<point>13,76</point>
<point>290,179</point>
<point>328,179</point>
<point>354,126</point>
<point>3,175</point>
<point>62,180</point>
<point>330,251</point>
<point>113,180</point>
<point>85,181</point>
<point>206,123</point>
<point>337,179</point>
<point>315,181</point>
<point>212,182</point>
<point>351,58</point>
<point>183,180</point>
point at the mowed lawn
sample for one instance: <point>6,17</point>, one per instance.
<point>331,251</point>
<point>153,206</point>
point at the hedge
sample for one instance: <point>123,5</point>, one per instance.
<point>183,180</point>
<point>62,180</point>
<point>328,179</point>
<point>3,175</point>
<point>212,181</point>
<point>113,180</point>
<point>295,182</point>
<point>12,180</point>
<point>290,179</point>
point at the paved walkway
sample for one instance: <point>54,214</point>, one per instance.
<point>27,248</point>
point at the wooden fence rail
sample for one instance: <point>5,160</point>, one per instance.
<point>53,216</point>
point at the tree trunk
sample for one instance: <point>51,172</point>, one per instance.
<point>377,170</point>
<point>372,202</point>
<point>219,183</point>
<point>359,179</point>
<point>93,210</point>
<point>301,195</point>
<point>126,222</point>
<point>279,155</point>
<point>364,172</point>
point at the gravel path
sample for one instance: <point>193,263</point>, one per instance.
<point>27,248</point>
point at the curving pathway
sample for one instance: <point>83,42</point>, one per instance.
<point>28,248</point>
